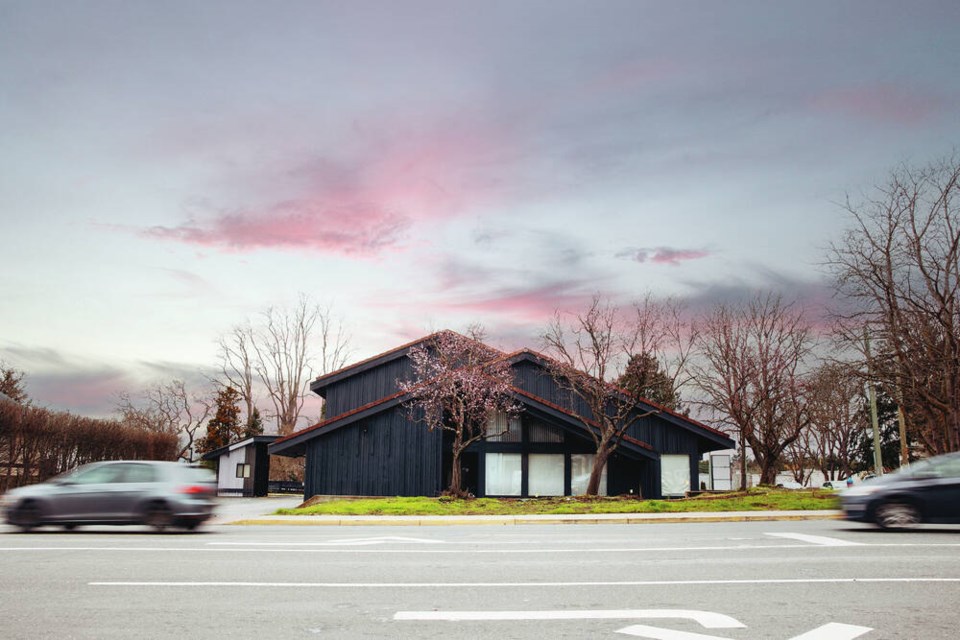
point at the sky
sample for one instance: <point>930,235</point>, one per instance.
<point>170,170</point>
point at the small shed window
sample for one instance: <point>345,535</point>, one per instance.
<point>243,470</point>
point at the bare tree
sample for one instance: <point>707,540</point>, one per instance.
<point>589,351</point>
<point>237,367</point>
<point>898,267</point>
<point>459,384</point>
<point>168,408</point>
<point>751,376</point>
<point>284,357</point>
<point>663,340</point>
<point>837,419</point>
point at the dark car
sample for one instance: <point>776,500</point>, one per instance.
<point>926,491</point>
<point>158,494</point>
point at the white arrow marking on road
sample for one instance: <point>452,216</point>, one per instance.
<point>707,619</point>
<point>823,541</point>
<point>834,631</point>
<point>349,542</point>
<point>655,633</point>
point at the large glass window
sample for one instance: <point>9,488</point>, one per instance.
<point>503,474</point>
<point>581,464</point>
<point>502,427</point>
<point>674,475</point>
<point>545,474</point>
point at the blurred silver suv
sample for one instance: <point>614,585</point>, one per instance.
<point>157,494</point>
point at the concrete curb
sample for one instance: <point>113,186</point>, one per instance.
<point>608,518</point>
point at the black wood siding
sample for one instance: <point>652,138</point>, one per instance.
<point>656,431</point>
<point>385,455</point>
<point>366,387</point>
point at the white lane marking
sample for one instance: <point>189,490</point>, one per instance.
<point>346,542</point>
<point>499,585</point>
<point>834,631</point>
<point>656,633</point>
<point>823,541</point>
<point>293,547</point>
<point>831,631</point>
<point>707,619</point>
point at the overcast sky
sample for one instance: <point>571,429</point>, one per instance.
<point>169,169</point>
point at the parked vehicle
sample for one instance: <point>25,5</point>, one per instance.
<point>926,491</point>
<point>837,485</point>
<point>790,485</point>
<point>157,494</point>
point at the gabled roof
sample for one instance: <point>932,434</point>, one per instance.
<point>670,415</point>
<point>320,384</point>
<point>233,446</point>
<point>293,445</point>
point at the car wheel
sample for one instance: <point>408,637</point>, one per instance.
<point>69,526</point>
<point>28,516</point>
<point>158,516</point>
<point>897,515</point>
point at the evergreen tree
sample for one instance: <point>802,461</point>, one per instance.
<point>644,379</point>
<point>11,384</point>
<point>254,426</point>
<point>889,437</point>
<point>224,427</point>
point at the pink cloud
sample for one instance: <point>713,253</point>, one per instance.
<point>884,103</point>
<point>361,198</point>
<point>533,305</point>
<point>664,255</point>
<point>297,225</point>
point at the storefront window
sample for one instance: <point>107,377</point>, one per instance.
<point>504,474</point>
<point>581,464</point>
<point>546,474</point>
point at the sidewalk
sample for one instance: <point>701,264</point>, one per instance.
<point>258,512</point>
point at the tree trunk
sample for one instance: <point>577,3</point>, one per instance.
<point>456,481</point>
<point>596,474</point>
<point>768,474</point>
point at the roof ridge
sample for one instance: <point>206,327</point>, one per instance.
<point>397,350</point>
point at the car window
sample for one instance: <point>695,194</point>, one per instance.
<point>98,475</point>
<point>199,474</point>
<point>947,468</point>
<point>138,473</point>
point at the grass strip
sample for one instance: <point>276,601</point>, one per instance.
<point>756,499</point>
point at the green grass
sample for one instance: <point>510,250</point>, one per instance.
<point>758,499</point>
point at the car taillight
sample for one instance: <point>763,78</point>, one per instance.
<point>194,489</point>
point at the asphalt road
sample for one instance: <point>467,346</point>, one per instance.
<point>808,580</point>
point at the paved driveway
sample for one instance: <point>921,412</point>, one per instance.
<point>231,509</point>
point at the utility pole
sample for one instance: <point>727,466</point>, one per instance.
<point>904,448</point>
<point>872,397</point>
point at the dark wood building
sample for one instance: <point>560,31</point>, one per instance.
<point>370,446</point>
